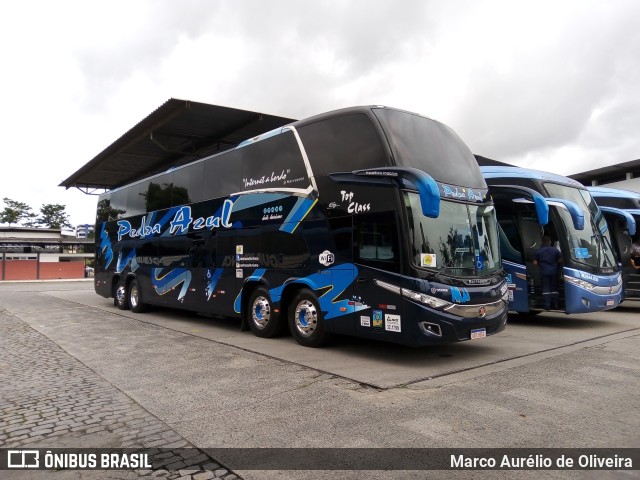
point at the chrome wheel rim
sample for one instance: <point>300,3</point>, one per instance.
<point>306,318</point>
<point>120,294</point>
<point>261,312</point>
<point>134,297</point>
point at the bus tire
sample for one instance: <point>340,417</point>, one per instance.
<point>120,298</point>
<point>306,321</point>
<point>262,320</point>
<point>135,298</point>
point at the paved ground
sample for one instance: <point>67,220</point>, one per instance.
<point>387,365</point>
<point>75,374</point>
<point>50,399</point>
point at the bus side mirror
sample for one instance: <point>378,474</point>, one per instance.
<point>574,210</point>
<point>429,195</point>
<point>630,222</point>
<point>542,207</point>
<point>427,187</point>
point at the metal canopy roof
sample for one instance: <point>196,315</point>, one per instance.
<point>178,132</point>
<point>490,162</point>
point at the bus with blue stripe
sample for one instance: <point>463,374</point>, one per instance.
<point>621,209</point>
<point>367,221</point>
<point>531,204</point>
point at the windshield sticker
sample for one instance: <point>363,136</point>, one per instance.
<point>459,296</point>
<point>392,323</point>
<point>365,321</point>
<point>428,260</point>
<point>582,253</point>
<point>354,207</point>
<point>479,262</point>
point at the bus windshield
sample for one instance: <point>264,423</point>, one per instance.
<point>592,245</point>
<point>462,241</point>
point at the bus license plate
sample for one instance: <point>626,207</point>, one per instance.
<point>478,333</point>
<point>609,302</point>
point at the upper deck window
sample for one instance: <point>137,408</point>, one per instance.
<point>430,146</point>
<point>343,144</point>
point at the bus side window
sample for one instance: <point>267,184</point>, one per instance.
<point>202,252</point>
<point>341,229</point>
<point>188,184</point>
<point>376,240</point>
<point>118,204</point>
<point>174,251</point>
<point>510,245</point>
<point>158,194</point>
<point>345,142</point>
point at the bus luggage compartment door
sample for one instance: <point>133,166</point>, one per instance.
<point>380,313</point>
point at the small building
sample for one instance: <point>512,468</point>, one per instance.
<point>42,254</point>
<point>624,175</point>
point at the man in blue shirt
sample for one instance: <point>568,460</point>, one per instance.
<point>549,258</point>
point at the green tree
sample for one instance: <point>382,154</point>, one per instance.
<point>16,212</point>
<point>53,216</point>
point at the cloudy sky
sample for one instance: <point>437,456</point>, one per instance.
<point>553,85</point>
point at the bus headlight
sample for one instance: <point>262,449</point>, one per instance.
<point>579,283</point>
<point>433,302</point>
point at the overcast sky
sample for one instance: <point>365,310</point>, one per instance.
<point>553,85</point>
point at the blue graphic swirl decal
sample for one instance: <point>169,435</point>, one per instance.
<point>105,246</point>
<point>213,276</point>
<point>335,280</point>
<point>122,262</point>
<point>166,283</point>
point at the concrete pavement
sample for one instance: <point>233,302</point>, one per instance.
<point>544,382</point>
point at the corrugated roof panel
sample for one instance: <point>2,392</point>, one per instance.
<point>177,132</point>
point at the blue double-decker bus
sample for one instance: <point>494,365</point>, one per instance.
<point>368,221</point>
<point>621,209</point>
<point>531,204</point>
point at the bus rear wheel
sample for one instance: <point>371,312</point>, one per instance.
<point>135,298</point>
<point>262,320</point>
<point>306,321</point>
<point>120,299</point>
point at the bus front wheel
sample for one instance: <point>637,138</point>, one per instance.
<point>262,320</point>
<point>135,298</point>
<point>306,320</point>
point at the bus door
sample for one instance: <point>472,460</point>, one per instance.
<point>377,259</point>
<point>531,236</point>
<point>522,212</point>
<point>623,227</point>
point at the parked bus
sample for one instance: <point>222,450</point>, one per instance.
<point>621,209</point>
<point>531,204</point>
<point>368,221</point>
